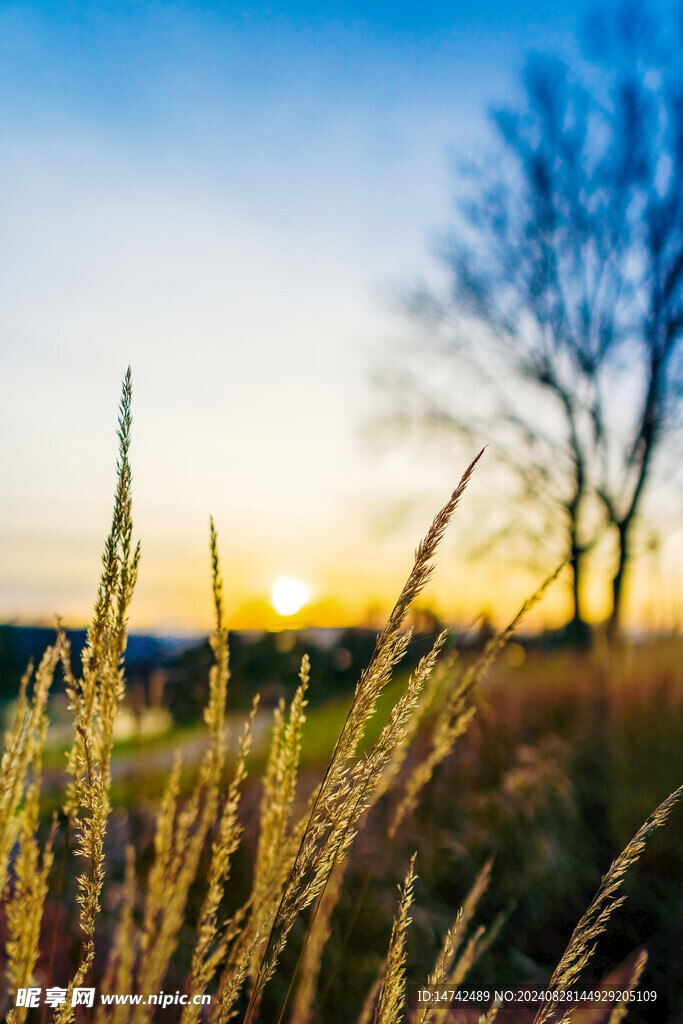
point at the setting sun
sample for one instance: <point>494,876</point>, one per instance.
<point>289,596</point>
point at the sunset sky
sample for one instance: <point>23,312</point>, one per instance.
<point>230,198</point>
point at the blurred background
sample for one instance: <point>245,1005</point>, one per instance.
<point>280,218</point>
<point>343,249</point>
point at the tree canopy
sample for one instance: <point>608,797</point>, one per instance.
<point>564,288</point>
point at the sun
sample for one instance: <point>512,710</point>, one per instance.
<point>288,596</point>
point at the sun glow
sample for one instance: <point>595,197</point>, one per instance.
<point>289,596</point>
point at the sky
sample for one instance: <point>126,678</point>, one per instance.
<point>231,199</point>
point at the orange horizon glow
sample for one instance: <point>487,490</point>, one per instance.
<point>352,600</point>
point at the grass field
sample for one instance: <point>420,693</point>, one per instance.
<point>567,754</point>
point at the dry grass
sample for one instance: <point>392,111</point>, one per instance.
<point>302,844</point>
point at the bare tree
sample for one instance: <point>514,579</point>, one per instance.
<point>565,289</point>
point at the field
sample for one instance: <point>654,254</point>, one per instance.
<point>494,788</point>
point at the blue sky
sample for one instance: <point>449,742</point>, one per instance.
<point>227,197</point>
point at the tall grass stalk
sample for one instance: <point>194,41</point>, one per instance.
<point>300,855</point>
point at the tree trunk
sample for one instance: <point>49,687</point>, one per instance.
<point>578,630</point>
<point>614,623</point>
